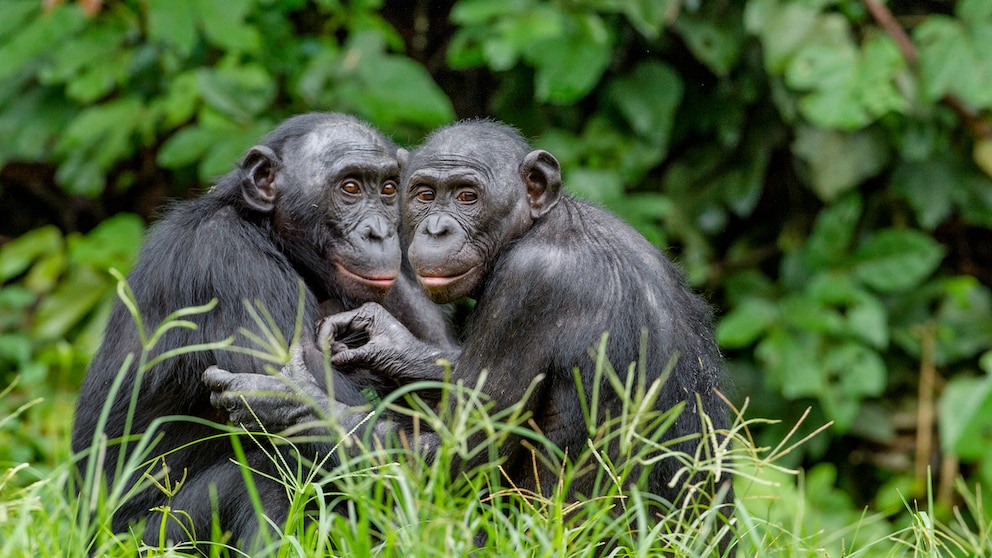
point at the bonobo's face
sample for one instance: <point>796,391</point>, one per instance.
<point>464,199</point>
<point>344,208</point>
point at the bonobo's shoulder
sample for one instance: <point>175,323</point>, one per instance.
<point>197,233</point>
<point>577,237</point>
<point>582,225</point>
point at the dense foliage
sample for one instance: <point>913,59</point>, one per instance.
<point>820,168</point>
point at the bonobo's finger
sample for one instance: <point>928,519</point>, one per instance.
<point>335,325</point>
<point>217,379</point>
<point>359,356</point>
<point>224,400</point>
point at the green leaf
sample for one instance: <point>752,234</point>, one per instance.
<point>99,80</point>
<point>93,45</point>
<point>954,59</point>
<point>475,12</point>
<point>791,362</point>
<point>181,99</point>
<point>650,17</point>
<point>782,28</point>
<point>896,259</point>
<point>75,296</point>
<point>397,89</point>
<point>568,66</point>
<point>19,253</point>
<point>173,22</point>
<point>879,66</point>
<point>857,370</point>
<point>840,161</point>
<point>224,24</point>
<point>188,145</point>
<point>976,202</point>
<point>113,243</point>
<point>985,362</point>
<point>239,91</point>
<point>594,184</point>
<point>743,185</point>
<point>225,152</point>
<point>35,38</point>
<point>647,98</point>
<point>745,323</point>
<point>81,175</point>
<point>830,239</point>
<point>716,39</point>
<point>868,320</point>
<point>804,312</point>
<point>929,187</point>
<point>99,137</point>
<point>966,417</point>
<point>15,304</point>
<point>16,16</point>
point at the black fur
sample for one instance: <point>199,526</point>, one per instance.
<point>275,220</point>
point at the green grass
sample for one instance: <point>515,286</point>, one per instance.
<point>388,500</point>
<point>398,505</point>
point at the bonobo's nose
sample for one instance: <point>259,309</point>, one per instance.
<point>376,229</point>
<point>437,226</point>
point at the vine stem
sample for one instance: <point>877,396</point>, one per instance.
<point>926,413</point>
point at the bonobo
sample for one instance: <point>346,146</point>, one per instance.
<point>485,217</point>
<point>314,203</point>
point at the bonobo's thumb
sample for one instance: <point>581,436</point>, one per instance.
<point>216,378</point>
<point>297,366</point>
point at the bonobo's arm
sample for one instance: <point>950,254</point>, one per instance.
<point>291,399</point>
<point>391,349</point>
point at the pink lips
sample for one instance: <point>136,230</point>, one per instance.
<point>440,281</point>
<point>381,282</point>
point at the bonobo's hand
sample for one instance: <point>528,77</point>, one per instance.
<point>390,350</point>
<point>269,402</point>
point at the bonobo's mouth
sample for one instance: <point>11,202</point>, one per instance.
<point>384,282</point>
<point>441,281</point>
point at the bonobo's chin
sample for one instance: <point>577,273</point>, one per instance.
<point>443,289</point>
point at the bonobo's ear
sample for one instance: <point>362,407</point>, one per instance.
<point>542,175</point>
<point>403,158</point>
<point>258,183</point>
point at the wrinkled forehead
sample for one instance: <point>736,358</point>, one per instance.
<point>332,141</point>
<point>468,146</point>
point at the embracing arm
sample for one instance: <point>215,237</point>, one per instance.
<point>391,349</point>
<point>292,401</point>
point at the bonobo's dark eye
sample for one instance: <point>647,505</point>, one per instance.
<point>424,194</point>
<point>351,186</point>
<point>389,188</point>
<point>467,196</point>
